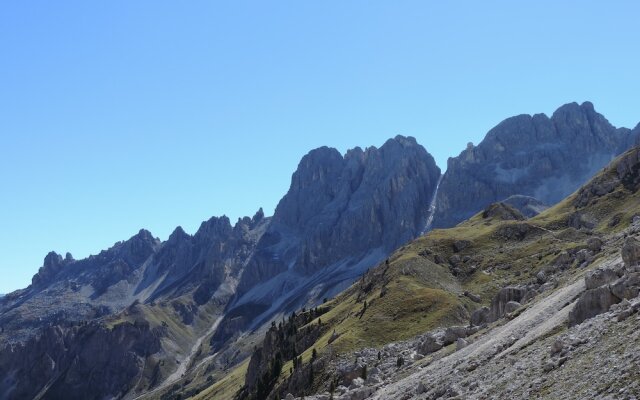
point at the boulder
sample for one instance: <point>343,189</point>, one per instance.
<point>504,296</point>
<point>452,334</point>
<point>594,244</point>
<point>474,297</point>
<point>461,344</point>
<point>564,258</point>
<point>627,287</point>
<point>455,260</point>
<point>541,277</point>
<point>356,383</point>
<point>582,256</point>
<point>599,277</point>
<point>549,366</point>
<point>511,307</point>
<point>429,345</point>
<point>631,252</point>
<point>556,347</point>
<point>460,245</point>
<point>591,303</point>
<point>480,316</point>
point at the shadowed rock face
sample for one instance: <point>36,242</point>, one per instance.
<point>546,158</point>
<point>341,207</point>
<point>117,262</point>
<point>205,260</point>
<point>86,362</point>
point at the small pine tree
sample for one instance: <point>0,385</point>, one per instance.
<point>364,372</point>
<point>379,356</point>
<point>314,354</point>
<point>365,304</point>
<point>319,321</point>
<point>400,361</point>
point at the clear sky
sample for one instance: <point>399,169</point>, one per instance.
<point>118,115</point>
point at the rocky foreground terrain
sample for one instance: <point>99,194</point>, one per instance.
<point>530,354</point>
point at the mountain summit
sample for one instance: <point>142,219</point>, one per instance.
<point>531,155</point>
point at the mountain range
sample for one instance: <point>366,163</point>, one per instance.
<point>153,319</point>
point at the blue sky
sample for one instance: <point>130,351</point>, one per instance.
<point>120,115</point>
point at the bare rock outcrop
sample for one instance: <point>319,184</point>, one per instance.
<point>62,362</point>
<point>606,287</point>
<point>599,277</point>
<point>591,303</point>
<point>631,252</point>
<point>503,297</point>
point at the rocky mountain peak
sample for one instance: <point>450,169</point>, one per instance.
<point>404,140</point>
<point>52,260</point>
<point>258,216</point>
<point>338,207</point>
<point>144,235</point>
<point>576,113</point>
<point>215,226</point>
<point>537,156</point>
<point>139,247</point>
<point>51,266</point>
<point>178,235</point>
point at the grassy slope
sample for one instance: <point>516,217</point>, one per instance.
<point>227,387</point>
